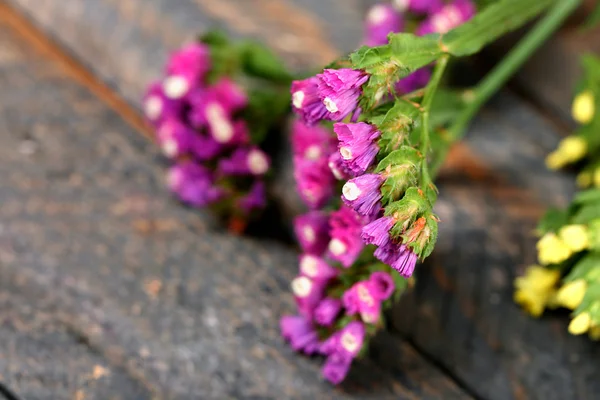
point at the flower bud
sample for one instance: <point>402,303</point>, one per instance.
<point>583,107</point>
<point>535,289</point>
<point>552,250</point>
<point>580,324</point>
<point>571,294</point>
<point>575,237</point>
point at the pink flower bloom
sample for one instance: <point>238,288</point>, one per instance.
<point>339,90</point>
<point>300,333</point>
<point>363,194</point>
<point>205,147</point>
<point>336,367</point>
<point>350,339</point>
<point>345,228</point>
<point>314,180</point>
<point>382,19</point>
<point>417,80</point>
<point>338,167</point>
<point>308,293</point>
<point>378,232</point>
<point>399,257</point>
<point>362,298</point>
<point>255,199</point>
<point>230,95</point>
<point>418,6</point>
<point>316,268</point>
<point>158,107</point>
<point>358,146</point>
<point>185,70</point>
<point>312,231</point>
<point>448,17</point>
<point>193,184</point>
<point>306,101</point>
<point>311,142</point>
<point>174,138</point>
<point>327,311</point>
<point>245,161</point>
<point>382,285</point>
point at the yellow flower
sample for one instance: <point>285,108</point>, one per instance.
<point>596,177</point>
<point>583,107</point>
<point>584,179</point>
<point>573,147</point>
<point>580,324</point>
<point>535,288</point>
<point>555,160</point>
<point>594,332</point>
<point>571,294</point>
<point>552,250</point>
<point>575,237</point>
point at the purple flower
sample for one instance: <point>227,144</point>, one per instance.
<point>327,310</point>
<point>357,145</point>
<point>312,231</point>
<point>193,184</point>
<point>363,194</point>
<point>382,285</point>
<point>336,367</point>
<point>350,339</point>
<point>362,298</point>
<point>306,101</point>
<point>158,107</point>
<point>205,147</point>
<point>207,111</point>
<point>230,95</point>
<point>255,199</point>
<point>186,69</point>
<point>339,90</point>
<point>378,232</point>
<point>448,17</point>
<point>175,138</point>
<point>382,19</point>
<point>418,6</point>
<point>245,161</point>
<point>308,293</point>
<point>345,228</point>
<point>314,180</point>
<point>338,167</point>
<point>300,333</point>
<point>417,80</point>
<point>399,257</point>
<point>311,142</point>
<point>316,268</point>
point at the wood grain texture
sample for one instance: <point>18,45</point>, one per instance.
<point>92,244</point>
<point>126,43</point>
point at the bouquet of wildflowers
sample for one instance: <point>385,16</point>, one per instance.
<point>369,184</point>
<point>569,246</point>
<point>216,111</point>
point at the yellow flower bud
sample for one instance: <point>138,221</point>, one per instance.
<point>594,332</point>
<point>576,237</point>
<point>552,250</point>
<point>584,179</point>
<point>555,160</point>
<point>583,107</point>
<point>573,148</point>
<point>535,289</point>
<point>596,177</point>
<point>571,294</point>
<point>580,324</point>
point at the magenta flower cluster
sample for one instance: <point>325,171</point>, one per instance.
<point>199,128</point>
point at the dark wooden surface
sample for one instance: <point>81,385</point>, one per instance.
<point>95,256</point>
<point>457,335</point>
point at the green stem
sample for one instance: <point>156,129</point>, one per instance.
<point>430,91</point>
<point>496,78</point>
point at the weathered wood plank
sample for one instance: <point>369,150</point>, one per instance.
<point>90,240</point>
<point>126,42</point>
<point>461,313</point>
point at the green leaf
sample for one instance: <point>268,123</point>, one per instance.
<point>552,221</point>
<point>491,23</point>
<point>261,62</point>
<point>412,52</point>
<point>587,213</point>
<point>587,196</point>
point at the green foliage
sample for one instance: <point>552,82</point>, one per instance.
<point>593,19</point>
